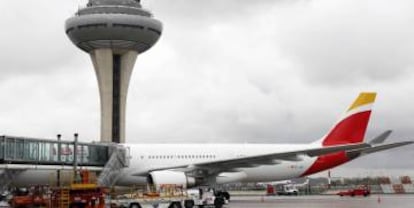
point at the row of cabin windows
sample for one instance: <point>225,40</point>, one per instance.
<point>180,157</point>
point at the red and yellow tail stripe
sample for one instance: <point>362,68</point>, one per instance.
<point>364,99</point>
<point>352,126</point>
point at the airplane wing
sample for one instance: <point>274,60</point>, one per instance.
<point>232,165</point>
<point>377,148</point>
<point>376,145</point>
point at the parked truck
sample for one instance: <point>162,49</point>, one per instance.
<point>287,189</point>
<point>169,196</point>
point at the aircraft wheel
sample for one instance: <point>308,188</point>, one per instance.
<point>218,202</point>
<point>226,195</point>
<point>189,203</point>
<point>135,205</point>
<point>175,205</point>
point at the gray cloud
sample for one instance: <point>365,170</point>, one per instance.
<point>33,38</point>
<point>339,42</point>
<point>349,41</point>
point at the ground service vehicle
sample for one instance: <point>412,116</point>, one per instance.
<point>286,189</point>
<point>33,197</point>
<point>170,196</point>
<point>360,191</point>
<point>78,191</point>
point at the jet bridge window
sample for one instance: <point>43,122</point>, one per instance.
<point>32,152</point>
<point>1,148</point>
<point>10,149</point>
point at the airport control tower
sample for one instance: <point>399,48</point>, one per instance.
<point>113,32</point>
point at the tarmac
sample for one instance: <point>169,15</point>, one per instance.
<point>329,201</point>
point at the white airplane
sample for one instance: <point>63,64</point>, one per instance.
<point>207,164</point>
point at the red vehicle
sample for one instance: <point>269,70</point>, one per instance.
<point>361,191</point>
<point>29,198</point>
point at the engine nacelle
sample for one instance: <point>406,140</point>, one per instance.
<point>167,177</point>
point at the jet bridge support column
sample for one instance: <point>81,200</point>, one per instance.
<point>59,150</point>
<point>75,155</point>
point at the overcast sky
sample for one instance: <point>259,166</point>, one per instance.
<point>264,71</point>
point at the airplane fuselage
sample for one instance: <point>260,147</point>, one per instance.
<point>147,157</point>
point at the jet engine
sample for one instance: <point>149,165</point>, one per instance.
<point>167,177</point>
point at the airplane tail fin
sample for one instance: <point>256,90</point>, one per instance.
<point>352,126</point>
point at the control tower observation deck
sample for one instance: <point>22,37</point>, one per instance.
<point>114,33</point>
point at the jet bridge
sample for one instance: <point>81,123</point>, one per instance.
<point>21,153</point>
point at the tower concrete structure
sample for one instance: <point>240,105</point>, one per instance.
<point>114,33</point>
